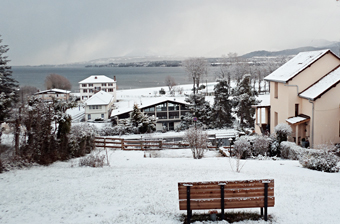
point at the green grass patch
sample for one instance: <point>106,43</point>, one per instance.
<point>231,217</point>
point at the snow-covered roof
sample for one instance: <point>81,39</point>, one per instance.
<point>100,98</point>
<point>264,101</point>
<point>295,120</point>
<point>294,66</point>
<point>322,86</point>
<point>125,107</point>
<point>97,79</point>
<point>53,91</point>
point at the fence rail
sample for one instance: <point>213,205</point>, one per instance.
<point>120,143</point>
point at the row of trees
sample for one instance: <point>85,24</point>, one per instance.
<point>228,101</point>
<point>42,131</point>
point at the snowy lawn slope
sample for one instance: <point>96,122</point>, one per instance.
<point>135,189</point>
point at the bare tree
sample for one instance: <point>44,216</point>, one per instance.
<point>57,81</point>
<point>196,68</point>
<point>197,139</point>
<point>170,82</point>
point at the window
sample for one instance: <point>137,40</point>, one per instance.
<point>83,85</point>
<point>276,119</point>
<point>173,115</point>
<point>276,90</point>
<point>110,84</point>
<point>103,84</point>
<point>90,90</point>
<point>162,115</point>
<point>296,110</point>
<point>161,107</point>
<point>84,90</point>
<point>89,117</point>
<point>110,90</point>
<point>97,88</point>
<point>102,115</point>
<point>90,85</point>
<point>173,106</point>
<point>149,109</point>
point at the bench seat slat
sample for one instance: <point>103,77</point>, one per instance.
<point>256,192</point>
<point>227,186</point>
<point>227,182</point>
<point>230,203</point>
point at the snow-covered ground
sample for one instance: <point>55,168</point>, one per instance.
<point>135,189</point>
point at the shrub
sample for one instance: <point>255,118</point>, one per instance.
<point>260,145</point>
<point>320,160</point>
<point>92,161</point>
<point>242,148</point>
<point>197,140</point>
<point>282,132</point>
<point>81,140</point>
<point>289,150</point>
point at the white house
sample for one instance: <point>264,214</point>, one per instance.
<point>99,106</point>
<point>47,95</point>
<point>95,83</point>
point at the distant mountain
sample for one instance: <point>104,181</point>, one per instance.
<point>335,47</point>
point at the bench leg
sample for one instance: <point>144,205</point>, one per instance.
<point>189,211</point>
<point>265,200</point>
<point>261,211</point>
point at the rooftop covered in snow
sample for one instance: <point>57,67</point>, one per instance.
<point>296,65</point>
<point>126,106</point>
<point>60,91</point>
<point>322,86</point>
<point>100,98</point>
<point>97,79</point>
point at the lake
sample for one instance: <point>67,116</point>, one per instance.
<point>127,77</point>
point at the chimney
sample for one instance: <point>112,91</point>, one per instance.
<point>114,78</point>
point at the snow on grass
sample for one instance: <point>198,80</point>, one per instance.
<point>135,189</point>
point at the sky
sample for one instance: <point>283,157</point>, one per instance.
<point>67,31</point>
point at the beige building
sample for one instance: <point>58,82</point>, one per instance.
<point>48,95</point>
<point>305,93</point>
<point>95,83</point>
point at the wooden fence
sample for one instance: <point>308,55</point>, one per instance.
<point>120,143</point>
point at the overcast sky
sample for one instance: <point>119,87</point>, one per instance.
<point>67,31</point>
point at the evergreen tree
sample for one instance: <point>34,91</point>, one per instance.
<point>142,123</point>
<point>8,86</point>
<point>222,104</point>
<point>199,108</point>
<point>244,98</point>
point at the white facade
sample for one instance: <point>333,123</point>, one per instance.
<point>95,83</point>
<point>99,106</point>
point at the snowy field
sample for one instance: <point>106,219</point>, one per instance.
<point>134,189</point>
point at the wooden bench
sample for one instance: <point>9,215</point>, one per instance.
<point>226,195</point>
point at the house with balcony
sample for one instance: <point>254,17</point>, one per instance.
<point>98,106</point>
<point>95,83</point>
<point>167,110</point>
<point>50,94</point>
<point>304,93</point>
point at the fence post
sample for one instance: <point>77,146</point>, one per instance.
<point>160,144</point>
<point>107,157</point>
<point>122,143</point>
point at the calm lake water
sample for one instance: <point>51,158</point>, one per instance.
<point>127,78</point>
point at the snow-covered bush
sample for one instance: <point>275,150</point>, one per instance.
<point>282,132</point>
<point>92,161</point>
<point>260,145</point>
<point>289,150</point>
<point>81,139</point>
<point>320,160</point>
<point>242,147</point>
<point>197,140</point>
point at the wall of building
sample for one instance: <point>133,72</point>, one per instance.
<point>327,117</point>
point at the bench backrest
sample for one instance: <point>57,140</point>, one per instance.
<point>237,194</point>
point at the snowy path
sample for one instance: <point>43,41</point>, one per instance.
<point>144,190</point>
